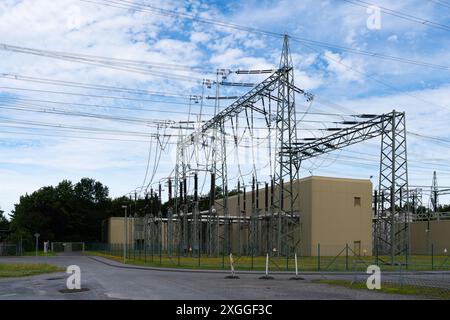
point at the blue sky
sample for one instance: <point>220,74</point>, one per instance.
<point>31,157</point>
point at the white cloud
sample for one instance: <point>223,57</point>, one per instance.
<point>393,38</point>
<point>199,37</point>
<point>346,69</point>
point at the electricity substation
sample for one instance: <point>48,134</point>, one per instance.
<point>277,212</point>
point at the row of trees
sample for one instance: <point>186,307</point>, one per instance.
<point>74,212</point>
<point>67,212</point>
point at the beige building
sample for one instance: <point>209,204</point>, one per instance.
<point>334,212</point>
<point>114,230</point>
<point>425,237</point>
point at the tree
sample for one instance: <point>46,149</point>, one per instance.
<point>4,223</point>
<point>91,191</point>
<point>67,212</point>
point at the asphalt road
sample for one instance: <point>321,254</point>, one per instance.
<point>109,280</point>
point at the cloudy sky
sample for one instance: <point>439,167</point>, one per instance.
<point>124,69</point>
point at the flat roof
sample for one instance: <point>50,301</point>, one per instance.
<point>334,179</point>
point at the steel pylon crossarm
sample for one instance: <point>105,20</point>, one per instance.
<point>248,100</point>
<point>360,132</point>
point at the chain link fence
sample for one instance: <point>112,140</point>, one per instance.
<point>325,258</point>
<point>7,249</point>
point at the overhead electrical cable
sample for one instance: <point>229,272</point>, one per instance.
<point>401,15</point>
<point>196,18</point>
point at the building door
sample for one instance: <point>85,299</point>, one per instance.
<point>357,247</point>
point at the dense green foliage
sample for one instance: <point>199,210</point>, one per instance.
<point>74,212</point>
<point>67,212</point>
<point>4,226</point>
<point>4,223</point>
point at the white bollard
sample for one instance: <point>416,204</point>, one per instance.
<point>266,276</point>
<point>233,274</point>
<point>232,264</point>
<point>296,269</point>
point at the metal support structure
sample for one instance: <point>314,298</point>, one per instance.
<point>170,237</point>
<point>434,195</point>
<point>391,231</point>
<point>287,165</point>
<point>221,183</point>
<point>196,222</point>
<point>395,204</point>
<point>393,224</point>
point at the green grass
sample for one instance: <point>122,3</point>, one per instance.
<point>8,270</point>
<point>340,263</point>
<point>392,288</point>
<point>40,253</point>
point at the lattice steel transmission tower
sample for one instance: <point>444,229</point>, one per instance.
<point>393,216</point>
<point>418,212</point>
<point>287,165</point>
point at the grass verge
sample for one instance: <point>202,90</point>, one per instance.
<point>40,253</point>
<point>165,262</point>
<point>311,263</point>
<point>8,270</point>
<point>392,288</point>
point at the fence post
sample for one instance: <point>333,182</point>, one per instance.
<point>252,260</point>
<point>287,259</point>
<point>179,248</point>
<point>223,254</point>
<point>346,257</point>
<point>145,251</point>
<point>318,257</point>
<point>407,259</point>
<point>377,255</point>
<point>432,256</point>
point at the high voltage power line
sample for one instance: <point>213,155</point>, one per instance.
<point>104,62</point>
<point>83,85</point>
<point>441,3</point>
<point>165,12</point>
<point>401,15</point>
<point>187,16</point>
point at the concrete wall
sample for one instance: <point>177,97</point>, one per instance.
<point>437,235</point>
